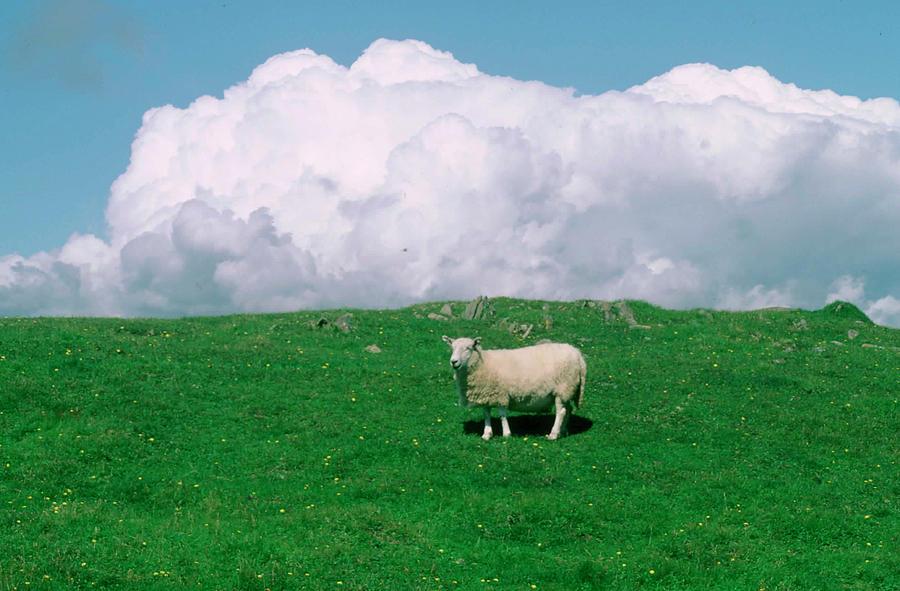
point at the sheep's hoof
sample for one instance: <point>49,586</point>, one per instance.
<point>487,436</point>
<point>553,436</point>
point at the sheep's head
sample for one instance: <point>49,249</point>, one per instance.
<point>462,351</point>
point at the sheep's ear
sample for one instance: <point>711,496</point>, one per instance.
<point>447,340</point>
<point>477,341</point>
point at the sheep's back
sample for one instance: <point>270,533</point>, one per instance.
<point>524,377</point>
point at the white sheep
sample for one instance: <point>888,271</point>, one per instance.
<point>527,379</point>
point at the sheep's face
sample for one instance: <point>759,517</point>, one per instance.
<point>462,350</point>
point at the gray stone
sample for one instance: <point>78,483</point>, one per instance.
<point>344,323</point>
<point>479,308</point>
<point>625,313</point>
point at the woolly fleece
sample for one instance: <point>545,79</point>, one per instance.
<point>525,379</point>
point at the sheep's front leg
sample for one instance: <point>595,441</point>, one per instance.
<point>488,431</point>
<point>501,410</point>
<point>562,410</point>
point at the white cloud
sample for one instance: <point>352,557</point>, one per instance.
<point>847,289</point>
<point>757,298</point>
<point>885,311</point>
<point>412,176</point>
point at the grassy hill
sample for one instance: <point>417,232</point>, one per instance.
<point>754,450</point>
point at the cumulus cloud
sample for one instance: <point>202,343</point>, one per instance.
<point>410,176</point>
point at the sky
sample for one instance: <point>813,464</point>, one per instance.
<point>170,158</point>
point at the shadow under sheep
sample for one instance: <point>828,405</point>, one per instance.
<point>522,425</point>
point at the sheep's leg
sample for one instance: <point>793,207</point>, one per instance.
<point>562,411</point>
<point>564,431</point>
<point>501,410</point>
<point>488,431</point>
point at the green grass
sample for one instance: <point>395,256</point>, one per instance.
<point>715,450</point>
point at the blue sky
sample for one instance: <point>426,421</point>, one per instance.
<point>72,93</point>
<point>602,163</point>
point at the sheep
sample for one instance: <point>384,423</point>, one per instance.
<point>527,379</point>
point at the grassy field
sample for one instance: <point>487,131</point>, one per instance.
<point>715,450</point>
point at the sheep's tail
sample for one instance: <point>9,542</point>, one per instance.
<point>579,396</point>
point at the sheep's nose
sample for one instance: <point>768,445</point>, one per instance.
<point>454,363</point>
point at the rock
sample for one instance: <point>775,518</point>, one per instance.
<point>625,313</point>
<point>447,310</point>
<point>373,349</point>
<point>613,311</point>
<point>344,323</point>
<point>433,316</point>
<point>852,334</point>
<point>479,308</point>
<point>608,315</point>
<point>522,330</point>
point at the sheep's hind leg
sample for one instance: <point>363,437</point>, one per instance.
<point>501,410</point>
<point>488,431</point>
<point>562,419</point>
<point>564,431</point>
